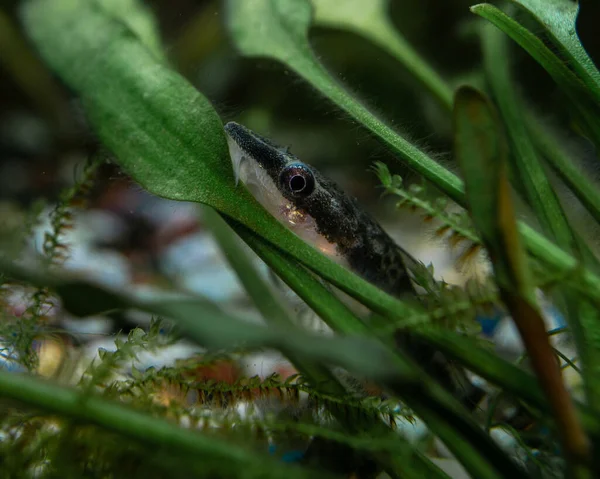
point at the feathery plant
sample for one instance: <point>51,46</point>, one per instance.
<point>167,136</point>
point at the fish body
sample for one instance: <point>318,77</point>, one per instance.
<point>317,210</point>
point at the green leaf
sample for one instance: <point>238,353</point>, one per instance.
<point>525,161</point>
<point>139,19</point>
<point>481,152</point>
<point>165,134</point>
<point>321,300</point>
<point>538,190</point>
<point>558,18</point>
<point>205,324</point>
<point>509,377</point>
<point>584,92</point>
<point>278,29</point>
<point>371,20</point>
<point>565,166</point>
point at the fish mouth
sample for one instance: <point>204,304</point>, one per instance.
<point>247,151</point>
<point>265,153</point>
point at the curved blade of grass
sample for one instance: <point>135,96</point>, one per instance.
<point>136,425</point>
<point>482,155</point>
<point>585,101</point>
<point>207,325</point>
<point>502,373</point>
<point>565,166</point>
<point>278,29</point>
<point>525,161</point>
<point>139,19</point>
<point>536,186</point>
<point>370,20</point>
<point>335,314</point>
<point>558,18</point>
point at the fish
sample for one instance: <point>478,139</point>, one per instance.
<point>317,210</point>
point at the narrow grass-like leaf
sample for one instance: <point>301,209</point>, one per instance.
<point>322,302</point>
<point>566,167</point>
<point>536,185</point>
<point>509,377</point>
<point>585,101</point>
<point>525,161</point>
<point>558,18</point>
<point>206,325</point>
<point>268,302</point>
<point>371,20</point>
<point>481,151</point>
<point>138,426</point>
<point>278,29</point>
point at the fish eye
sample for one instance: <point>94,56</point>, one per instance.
<point>298,180</point>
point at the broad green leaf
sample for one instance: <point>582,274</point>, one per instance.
<point>139,19</point>
<point>371,20</point>
<point>583,92</point>
<point>164,133</point>
<point>482,155</point>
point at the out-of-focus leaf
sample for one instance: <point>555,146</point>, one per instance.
<point>278,29</point>
<point>139,19</point>
<point>207,325</point>
<point>371,20</point>
<point>584,92</point>
<point>481,152</point>
<point>152,431</point>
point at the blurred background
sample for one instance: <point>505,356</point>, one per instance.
<point>128,238</point>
